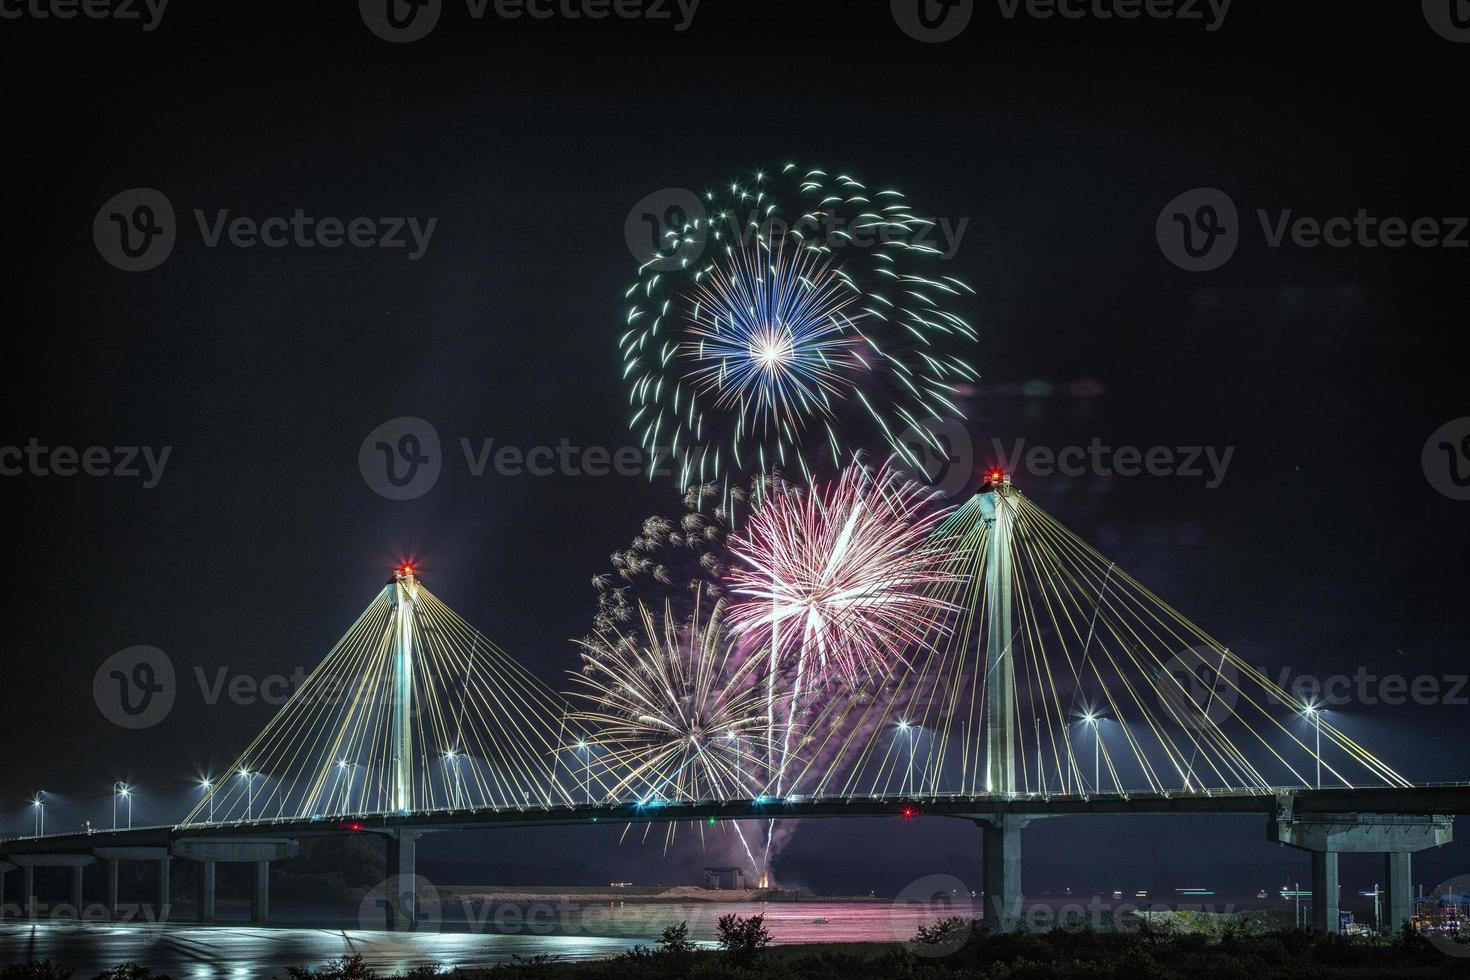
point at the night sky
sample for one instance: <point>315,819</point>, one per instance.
<point>1326,547</point>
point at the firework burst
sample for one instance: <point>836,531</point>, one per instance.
<point>805,302</point>
<point>674,717</point>
<point>846,577</point>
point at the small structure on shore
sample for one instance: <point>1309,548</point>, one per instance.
<point>715,878</point>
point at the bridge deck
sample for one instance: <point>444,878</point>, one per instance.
<point>1417,800</point>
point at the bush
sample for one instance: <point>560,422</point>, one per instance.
<point>128,971</point>
<point>346,968</point>
<point>675,940</point>
<point>35,970</point>
<point>743,939</point>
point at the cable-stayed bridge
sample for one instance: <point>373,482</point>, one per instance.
<point>1047,682</point>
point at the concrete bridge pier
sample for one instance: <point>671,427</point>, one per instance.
<point>205,891</point>
<point>159,856</point>
<point>1326,835</point>
<point>109,886</point>
<point>5,869</point>
<point>1001,857</point>
<point>1399,907</point>
<point>402,897</point>
<point>28,864</point>
<point>208,852</point>
<point>28,889</point>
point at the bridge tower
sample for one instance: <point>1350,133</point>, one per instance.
<point>405,588</point>
<point>998,511</point>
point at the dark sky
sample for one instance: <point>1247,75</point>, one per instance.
<point>1326,548</point>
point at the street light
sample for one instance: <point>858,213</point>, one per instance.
<point>249,778</point>
<point>1091,719</point>
<point>1315,713</point>
<point>456,788</point>
<point>120,791</point>
<point>39,806</point>
<point>585,749</point>
<point>904,726</point>
<point>208,786</point>
<point>348,767</point>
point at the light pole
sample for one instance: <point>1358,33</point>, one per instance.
<point>586,750</point>
<point>39,806</point>
<point>1091,719</point>
<point>120,791</point>
<point>1315,714</point>
<point>904,726</point>
<point>208,786</point>
<point>249,778</point>
<point>451,758</point>
<point>343,766</point>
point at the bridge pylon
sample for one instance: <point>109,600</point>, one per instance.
<point>998,511</point>
<point>405,588</point>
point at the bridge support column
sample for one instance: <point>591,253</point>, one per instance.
<point>109,886</point>
<point>5,870</point>
<point>1399,874</point>
<point>1326,835</point>
<point>165,865</point>
<point>28,889</point>
<point>1325,901</point>
<point>76,890</point>
<point>260,893</point>
<point>402,881</point>
<point>1001,854</point>
<point>204,908</point>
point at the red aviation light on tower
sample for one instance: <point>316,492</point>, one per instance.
<point>995,477</point>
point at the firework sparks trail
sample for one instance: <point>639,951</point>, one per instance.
<point>811,303</point>
<point>674,717</point>
<point>842,580</point>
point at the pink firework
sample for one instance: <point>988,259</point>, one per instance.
<point>845,576</point>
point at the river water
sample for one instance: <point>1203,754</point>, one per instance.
<point>468,935</point>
